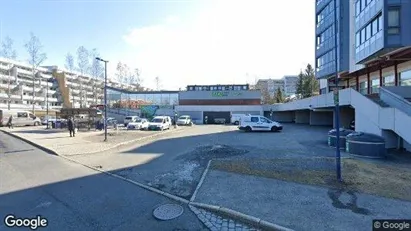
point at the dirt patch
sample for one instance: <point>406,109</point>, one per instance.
<point>358,175</point>
<point>203,154</point>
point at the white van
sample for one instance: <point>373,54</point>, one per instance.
<point>235,118</point>
<point>259,123</point>
<point>160,123</point>
<point>20,118</point>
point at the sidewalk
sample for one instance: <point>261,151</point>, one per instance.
<point>85,142</point>
<point>300,206</point>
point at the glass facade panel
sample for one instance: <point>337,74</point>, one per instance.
<point>388,80</point>
<point>364,87</point>
<point>375,85</point>
<point>405,78</point>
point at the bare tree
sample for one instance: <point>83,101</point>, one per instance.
<point>157,79</point>
<point>8,52</point>
<point>96,71</point>
<point>69,65</point>
<point>36,57</point>
<point>136,79</point>
<point>121,75</point>
<point>83,65</point>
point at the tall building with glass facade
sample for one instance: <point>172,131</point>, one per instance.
<point>373,43</point>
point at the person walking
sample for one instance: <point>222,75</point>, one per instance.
<point>10,122</point>
<point>71,127</point>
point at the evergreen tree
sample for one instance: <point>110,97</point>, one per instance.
<point>278,97</point>
<point>300,85</point>
<point>310,83</point>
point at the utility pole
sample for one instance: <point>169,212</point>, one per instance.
<point>336,97</point>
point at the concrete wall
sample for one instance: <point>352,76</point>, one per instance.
<point>321,118</point>
<point>281,116</point>
<point>302,117</point>
<point>402,91</point>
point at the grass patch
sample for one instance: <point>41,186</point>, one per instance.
<point>358,175</point>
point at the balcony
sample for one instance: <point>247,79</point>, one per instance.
<point>326,46</point>
<point>5,67</point>
<point>24,72</point>
<point>370,47</point>
<point>327,21</point>
<point>46,76</point>
<point>321,4</point>
<point>7,77</point>
<point>368,13</point>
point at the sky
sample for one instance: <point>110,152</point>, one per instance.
<point>181,42</point>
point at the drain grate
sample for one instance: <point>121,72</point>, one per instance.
<point>168,211</point>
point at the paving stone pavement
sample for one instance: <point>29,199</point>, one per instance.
<point>59,141</point>
<point>217,223</point>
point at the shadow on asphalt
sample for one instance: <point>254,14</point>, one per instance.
<point>15,151</point>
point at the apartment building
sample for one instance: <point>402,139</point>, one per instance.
<point>287,84</point>
<point>20,90</point>
<point>373,44</point>
<point>51,85</point>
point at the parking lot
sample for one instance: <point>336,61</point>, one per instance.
<point>175,162</point>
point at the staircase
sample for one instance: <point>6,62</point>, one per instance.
<point>376,98</point>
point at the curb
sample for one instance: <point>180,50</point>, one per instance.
<point>31,143</point>
<point>265,225</point>
<point>257,222</point>
<point>201,182</point>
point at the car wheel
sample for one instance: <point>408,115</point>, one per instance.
<point>36,123</point>
<point>248,129</point>
<point>274,129</point>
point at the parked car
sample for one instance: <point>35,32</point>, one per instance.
<point>51,119</point>
<point>259,123</point>
<point>160,123</point>
<point>184,120</point>
<point>129,119</point>
<point>141,124</point>
<point>20,118</point>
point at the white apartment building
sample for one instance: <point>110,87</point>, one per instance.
<point>51,85</point>
<point>20,90</point>
<point>287,84</point>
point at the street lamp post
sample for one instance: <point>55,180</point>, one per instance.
<point>336,99</point>
<point>47,104</point>
<point>105,96</point>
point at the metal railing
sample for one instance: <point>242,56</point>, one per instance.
<point>395,101</point>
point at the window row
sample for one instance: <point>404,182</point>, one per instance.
<point>325,59</point>
<point>404,79</point>
<point>325,12</point>
<point>360,5</point>
<point>218,88</point>
<point>369,31</point>
<point>327,34</point>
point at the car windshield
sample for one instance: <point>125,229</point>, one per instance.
<point>128,118</point>
<point>183,117</point>
<point>138,120</point>
<point>157,120</point>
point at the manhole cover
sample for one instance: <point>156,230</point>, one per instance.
<point>168,212</point>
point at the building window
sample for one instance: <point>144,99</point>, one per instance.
<point>363,36</point>
<point>374,26</point>
<point>364,87</point>
<point>357,39</point>
<point>368,32</point>
<point>394,21</point>
<point>388,80</point>
<point>405,78</point>
<point>375,85</point>
<point>357,8</point>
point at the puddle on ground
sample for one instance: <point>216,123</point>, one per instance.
<point>336,194</point>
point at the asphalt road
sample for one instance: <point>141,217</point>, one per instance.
<point>72,197</point>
